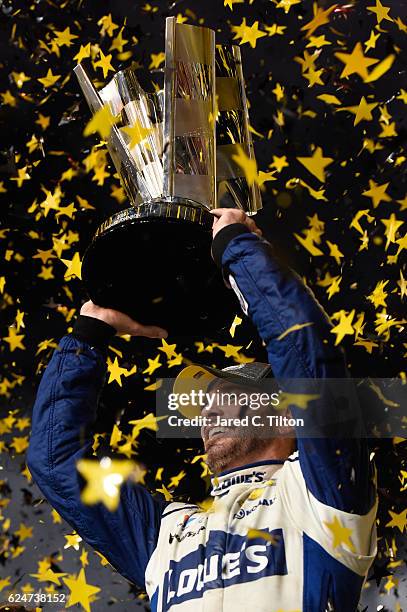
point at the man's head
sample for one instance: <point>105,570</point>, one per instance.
<point>230,446</point>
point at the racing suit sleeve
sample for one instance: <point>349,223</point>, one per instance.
<point>63,419</point>
<point>337,471</point>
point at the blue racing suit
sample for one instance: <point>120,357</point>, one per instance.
<point>296,534</point>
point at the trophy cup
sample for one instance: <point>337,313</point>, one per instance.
<point>173,151</point>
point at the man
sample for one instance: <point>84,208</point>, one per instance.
<point>287,531</point>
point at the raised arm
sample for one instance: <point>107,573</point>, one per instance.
<point>337,471</point>
<point>62,433</point>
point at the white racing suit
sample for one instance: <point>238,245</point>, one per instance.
<point>297,535</point>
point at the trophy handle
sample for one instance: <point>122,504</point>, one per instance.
<point>134,182</point>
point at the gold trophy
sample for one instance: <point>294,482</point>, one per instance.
<point>174,152</point>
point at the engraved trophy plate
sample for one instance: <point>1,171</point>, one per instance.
<point>173,151</point>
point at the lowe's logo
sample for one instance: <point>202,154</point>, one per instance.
<point>208,567</point>
<point>239,479</point>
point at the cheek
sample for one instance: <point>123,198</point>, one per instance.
<point>222,445</point>
<point>234,411</point>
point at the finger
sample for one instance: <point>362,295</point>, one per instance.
<point>222,211</point>
<point>216,213</point>
<point>231,215</point>
<point>252,226</point>
<point>150,331</point>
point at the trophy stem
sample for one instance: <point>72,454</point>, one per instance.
<point>119,152</point>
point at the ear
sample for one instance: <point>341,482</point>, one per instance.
<point>285,431</point>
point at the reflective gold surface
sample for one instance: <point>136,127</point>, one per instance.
<point>180,142</point>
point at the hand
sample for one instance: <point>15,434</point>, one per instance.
<point>122,323</point>
<point>227,216</point>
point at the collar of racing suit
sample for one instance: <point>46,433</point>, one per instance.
<point>252,473</point>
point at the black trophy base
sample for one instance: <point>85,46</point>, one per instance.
<point>153,262</point>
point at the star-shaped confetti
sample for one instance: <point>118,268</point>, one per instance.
<point>326,99</point>
<point>398,520</point>
<point>230,3</point>
<point>248,165</point>
<point>116,372</point>
<point>83,53</point>
<point>356,62</point>
<point>153,365</point>
<point>104,479</point>
<point>340,535</point>
<point>101,122</point>
<point>377,193</point>
<point>46,574</point>
<point>320,18</point>
<point>80,591</point>
<point>381,12</point>
<point>73,266</point>
<point>156,60</point>
<point>137,133</point>
<point>50,79</point>
<point>104,63</point>
<point>316,164</point>
<point>252,34</point>
<point>14,340</point>
<point>344,327</point>
<point>392,225</point>
<point>362,112</point>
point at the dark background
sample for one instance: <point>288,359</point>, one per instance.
<point>298,121</point>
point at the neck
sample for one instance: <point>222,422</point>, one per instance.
<point>279,449</point>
